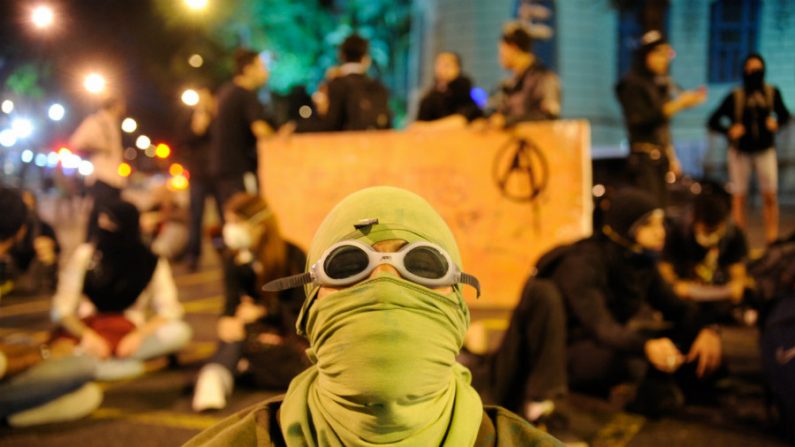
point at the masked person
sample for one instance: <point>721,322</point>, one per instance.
<point>575,324</point>
<point>704,257</point>
<point>649,99</point>
<point>257,335</point>
<point>35,386</point>
<point>116,300</point>
<point>385,319</point>
<point>755,111</point>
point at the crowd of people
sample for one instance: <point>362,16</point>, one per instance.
<point>365,329</point>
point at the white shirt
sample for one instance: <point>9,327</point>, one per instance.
<point>159,296</point>
<point>100,136</point>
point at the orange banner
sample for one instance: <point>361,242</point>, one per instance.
<point>508,196</point>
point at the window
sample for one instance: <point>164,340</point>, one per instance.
<point>734,25</point>
<point>540,14</point>
<point>629,33</point>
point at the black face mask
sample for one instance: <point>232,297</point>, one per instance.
<point>754,80</point>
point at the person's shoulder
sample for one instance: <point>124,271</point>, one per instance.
<point>256,425</point>
<point>508,430</point>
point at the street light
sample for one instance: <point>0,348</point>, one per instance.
<point>22,127</point>
<point>94,83</point>
<point>190,97</point>
<point>56,112</point>
<point>143,142</point>
<point>129,125</point>
<point>42,16</point>
<point>7,106</point>
<point>197,5</point>
<point>195,60</point>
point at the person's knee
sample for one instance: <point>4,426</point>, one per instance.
<point>175,334</point>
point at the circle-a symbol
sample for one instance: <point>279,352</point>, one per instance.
<point>520,170</point>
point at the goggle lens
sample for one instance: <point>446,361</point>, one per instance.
<point>345,261</point>
<point>426,262</point>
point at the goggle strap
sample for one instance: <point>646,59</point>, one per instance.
<point>466,278</point>
<point>289,282</point>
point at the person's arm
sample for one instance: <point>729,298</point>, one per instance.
<point>335,117</point>
<point>88,136</point>
<point>584,287</point>
<point>723,113</point>
<point>782,113</point>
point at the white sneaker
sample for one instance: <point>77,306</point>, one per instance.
<point>212,387</point>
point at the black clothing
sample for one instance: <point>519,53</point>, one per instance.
<point>533,96</point>
<point>356,102</point>
<point>103,194</point>
<point>691,261</point>
<point>23,253</point>
<point>233,149</point>
<point>756,110</point>
<point>642,97</point>
<point>122,266</point>
<point>455,99</point>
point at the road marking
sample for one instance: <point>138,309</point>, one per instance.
<point>26,308</point>
<point>198,278</point>
<point>619,431</point>
<point>210,304</point>
<point>495,324</point>
<point>159,418</point>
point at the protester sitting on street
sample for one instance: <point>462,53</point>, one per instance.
<point>34,259</point>
<point>164,226</point>
<point>34,388</point>
<point>257,335</point>
<point>385,318</point>
<point>704,257</point>
<point>116,300</point>
<point>450,94</point>
<point>576,324</point>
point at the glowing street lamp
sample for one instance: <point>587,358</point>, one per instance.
<point>143,142</point>
<point>190,97</point>
<point>42,16</point>
<point>7,106</point>
<point>95,83</point>
<point>22,127</point>
<point>197,5</point>
<point>56,112</point>
<point>129,125</point>
<point>195,60</point>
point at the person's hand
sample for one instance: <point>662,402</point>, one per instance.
<point>707,350</point>
<point>286,130</point>
<point>93,344</point>
<point>663,354</point>
<point>231,329</point>
<point>129,344</point>
<point>736,131</point>
<point>497,121</point>
<point>772,124</point>
<point>45,249</point>
<point>682,289</point>
<point>675,167</point>
<point>248,311</point>
<point>692,98</point>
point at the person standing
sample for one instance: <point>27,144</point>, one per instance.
<point>450,93</point>
<point>649,99</point>
<point>755,111</point>
<point>99,135</point>
<point>532,93</point>
<point>238,127</point>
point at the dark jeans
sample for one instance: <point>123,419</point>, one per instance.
<point>103,194</point>
<point>199,190</point>
<point>531,361</point>
<point>44,382</point>
<point>647,171</point>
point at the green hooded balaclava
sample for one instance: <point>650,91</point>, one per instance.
<point>384,371</point>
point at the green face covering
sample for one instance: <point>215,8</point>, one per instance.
<point>384,349</point>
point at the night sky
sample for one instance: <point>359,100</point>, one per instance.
<point>127,39</point>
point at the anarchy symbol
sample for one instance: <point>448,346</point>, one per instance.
<point>520,170</point>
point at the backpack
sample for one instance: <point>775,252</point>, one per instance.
<point>739,101</point>
<point>774,275</point>
<point>366,104</point>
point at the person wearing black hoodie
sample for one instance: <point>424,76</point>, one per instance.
<point>575,323</point>
<point>649,99</point>
<point>450,93</point>
<point>754,111</point>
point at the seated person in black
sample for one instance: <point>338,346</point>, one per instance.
<point>450,93</point>
<point>574,324</point>
<point>704,256</point>
<point>257,330</point>
<point>34,259</point>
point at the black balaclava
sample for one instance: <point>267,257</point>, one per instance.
<point>122,265</point>
<point>755,80</point>
<point>626,209</point>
